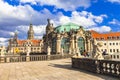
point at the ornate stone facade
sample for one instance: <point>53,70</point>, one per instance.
<point>17,46</point>
<point>67,39</point>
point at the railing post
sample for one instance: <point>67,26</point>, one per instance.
<point>97,62</point>
<point>27,58</point>
<point>7,59</point>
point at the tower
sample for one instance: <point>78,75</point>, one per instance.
<point>30,32</point>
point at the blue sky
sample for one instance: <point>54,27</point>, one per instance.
<point>16,15</point>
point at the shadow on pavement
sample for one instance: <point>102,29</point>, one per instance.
<point>68,66</point>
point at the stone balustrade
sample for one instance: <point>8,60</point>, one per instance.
<point>4,59</point>
<point>107,67</point>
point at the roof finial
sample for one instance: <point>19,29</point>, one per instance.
<point>31,19</point>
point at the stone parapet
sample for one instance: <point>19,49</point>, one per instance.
<point>107,67</point>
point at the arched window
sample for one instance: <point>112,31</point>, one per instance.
<point>81,44</point>
<point>65,43</point>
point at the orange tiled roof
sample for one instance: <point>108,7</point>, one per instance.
<point>36,41</point>
<point>105,36</point>
<point>33,41</point>
<point>21,41</point>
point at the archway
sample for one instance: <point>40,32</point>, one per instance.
<point>65,43</point>
<point>81,44</point>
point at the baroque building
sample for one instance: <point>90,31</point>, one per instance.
<point>17,46</point>
<point>69,38</point>
<point>110,40</point>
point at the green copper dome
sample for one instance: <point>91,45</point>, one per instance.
<point>67,27</point>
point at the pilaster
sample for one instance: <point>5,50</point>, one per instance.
<point>58,44</point>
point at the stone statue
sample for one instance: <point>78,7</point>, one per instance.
<point>97,51</point>
<point>94,43</point>
<point>2,53</point>
<point>48,50</point>
<point>28,51</point>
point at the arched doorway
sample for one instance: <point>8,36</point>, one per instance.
<point>81,44</point>
<point>65,43</point>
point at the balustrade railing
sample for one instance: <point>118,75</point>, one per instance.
<point>108,67</point>
<point>38,58</point>
<point>4,59</point>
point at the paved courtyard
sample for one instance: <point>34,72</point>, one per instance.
<point>46,70</point>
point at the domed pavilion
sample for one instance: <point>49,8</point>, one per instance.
<point>69,38</point>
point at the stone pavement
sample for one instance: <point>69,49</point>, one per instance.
<point>46,70</point>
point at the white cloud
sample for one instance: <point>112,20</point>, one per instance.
<point>11,33</point>
<point>61,4</point>
<point>84,18</point>
<point>101,29</point>
<point>6,33</point>
<point>114,22</point>
<point>21,15</point>
<point>3,41</point>
<point>114,1</point>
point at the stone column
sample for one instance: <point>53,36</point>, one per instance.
<point>72,44</point>
<point>76,45</point>
<point>88,45</point>
<point>58,44</point>
<point>85,43</point>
